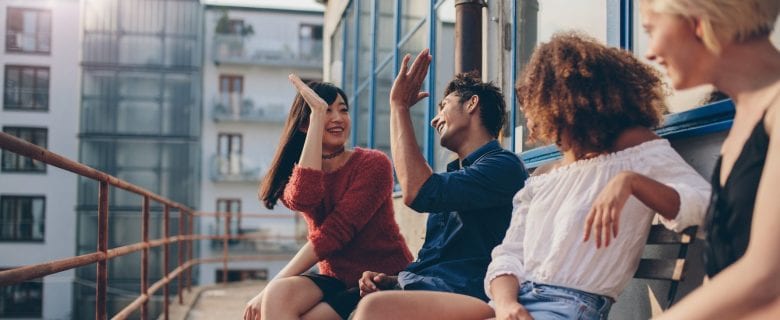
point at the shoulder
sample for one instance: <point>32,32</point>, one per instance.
<point>772,117</point>
<point>503,159</point>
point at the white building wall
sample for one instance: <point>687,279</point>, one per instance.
<point>62,121</point>
<point>265,85</point>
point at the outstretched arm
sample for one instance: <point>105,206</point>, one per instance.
<point>410,166</point>
<point>311,156</point>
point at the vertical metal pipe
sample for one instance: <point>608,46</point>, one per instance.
<point>181,255</point>
<point>102,246</point>
<point>145,258</point>
<point>225,238</point>
<point>166,231</point>
<point>189,248</point>
<point>468,35</point>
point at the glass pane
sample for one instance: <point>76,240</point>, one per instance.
<point>139,85</point>
<point>363,121</point>
<point>445,71</point>
<point>384,31</point>
<point>381,119</point>
<point>150,55</point>
<point>413,11</point>
<point>349,72</point>
<point>12,87</point>
<point>364,52</point>
<point>336,58</point>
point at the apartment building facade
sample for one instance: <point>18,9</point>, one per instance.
<point>250,47</point>
<point>39,63</point>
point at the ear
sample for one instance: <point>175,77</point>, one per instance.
<point>698,27</point>
<point>472,103</point>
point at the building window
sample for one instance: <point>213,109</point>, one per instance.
<point>229,150</point>
<point>22,300</point>
<point>233,206</point>
<point>231,91</point>
<point>22,218</point>
<point>26,88</point>
<point>310,40</point>
<point>13,162</point>
<point>28,30</point>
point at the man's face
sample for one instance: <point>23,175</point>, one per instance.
<point>452,121</point>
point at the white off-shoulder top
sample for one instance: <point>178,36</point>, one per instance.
<point>544,241</point>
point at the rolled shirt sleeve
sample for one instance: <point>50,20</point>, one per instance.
<point>694,191</point>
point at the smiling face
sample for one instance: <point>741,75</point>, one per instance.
<point>337,125</point>
<point>452,121</point>
<point>675,45</point>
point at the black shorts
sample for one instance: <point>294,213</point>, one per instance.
<point>342,299</point>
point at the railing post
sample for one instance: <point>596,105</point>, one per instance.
<point>145,258</point>
<point>182,216</point>
<point>225,238</point>
<point>192,244</point>
<point>166,219</point>
<point>102,246</point>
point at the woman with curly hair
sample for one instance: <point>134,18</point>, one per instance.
<point>562,256</point>
<point>599,106</point>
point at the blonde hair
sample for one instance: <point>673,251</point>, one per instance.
<point>724,20</point>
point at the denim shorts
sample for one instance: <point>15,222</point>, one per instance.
<point>554,302</point>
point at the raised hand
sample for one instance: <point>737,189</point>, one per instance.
<point>315,102</point>
<point>406,89</point>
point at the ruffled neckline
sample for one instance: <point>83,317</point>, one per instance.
<point>607,157</point>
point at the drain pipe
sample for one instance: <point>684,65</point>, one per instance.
<point>468,35</point>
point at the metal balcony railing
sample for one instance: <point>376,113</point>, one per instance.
<point>235,108</point>
<point>234,168</point>
<point>238,49</point>
<point>185,239</point>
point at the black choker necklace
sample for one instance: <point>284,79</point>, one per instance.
<point>333,155</point>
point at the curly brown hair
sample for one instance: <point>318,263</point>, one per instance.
<point>577,87</point>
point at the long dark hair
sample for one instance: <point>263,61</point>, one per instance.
<point>291,142</point>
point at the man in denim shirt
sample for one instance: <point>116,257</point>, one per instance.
<point>470,205</point>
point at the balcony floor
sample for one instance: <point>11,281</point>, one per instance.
<point>215,301</point>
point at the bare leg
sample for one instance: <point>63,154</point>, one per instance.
<point>421,305</point>
<point>289,298</point>
<point>321,311</point>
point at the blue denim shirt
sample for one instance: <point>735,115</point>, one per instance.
<point>469,211</point>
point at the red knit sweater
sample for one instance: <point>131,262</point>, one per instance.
<point>350,217</point>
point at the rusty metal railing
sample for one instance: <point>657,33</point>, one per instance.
<point>184,239</point>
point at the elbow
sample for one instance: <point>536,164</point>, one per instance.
<point>408,200</point>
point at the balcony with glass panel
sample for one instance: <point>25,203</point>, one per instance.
<point>235,108</point>
<point>240,49</point>
<point>234,168</point>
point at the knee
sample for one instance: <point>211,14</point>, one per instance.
<point>370,307</point>
<point>278,291</point>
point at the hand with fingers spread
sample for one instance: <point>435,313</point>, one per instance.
<point>252,309</point>
<point>375,281</point>
<point>603,218</point>
<point>315,102</point>
<point>406,89</point>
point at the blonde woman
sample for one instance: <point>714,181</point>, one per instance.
<point>726,43</point>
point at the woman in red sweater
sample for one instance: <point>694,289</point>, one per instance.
<point>345,197</point>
